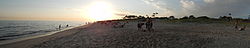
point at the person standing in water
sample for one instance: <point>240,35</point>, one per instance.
<point>67,25</point>
<point>60,26</point>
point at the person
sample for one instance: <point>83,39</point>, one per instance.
<point>122,25</point>
<point>242,28</point>
<point>236,25</point>
<point>60,26</point>
<point>139,25</point>
<point>149,24</point>
<point>67,25</point>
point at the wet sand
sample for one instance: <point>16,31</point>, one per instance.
<point>166,35</point>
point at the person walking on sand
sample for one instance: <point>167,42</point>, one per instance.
<point>149,24</point>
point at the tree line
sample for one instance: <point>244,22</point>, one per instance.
<point>173,17</point>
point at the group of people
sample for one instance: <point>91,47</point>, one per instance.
<point>114,24</point>
<point>60,26</point>
<point>148,23</point>
<point>239,28</point>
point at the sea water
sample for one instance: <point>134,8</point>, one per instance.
<point>13,29</point>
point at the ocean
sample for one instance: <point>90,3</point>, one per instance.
<point>13,29</point>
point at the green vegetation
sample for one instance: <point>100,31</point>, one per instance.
<point>192,19</point>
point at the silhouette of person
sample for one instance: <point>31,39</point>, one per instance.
<point>139,25</point>
<point>67,25</point>
<point>60,26</point>
<point>149,24</point>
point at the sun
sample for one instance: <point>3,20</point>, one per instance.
<point>100,11</point>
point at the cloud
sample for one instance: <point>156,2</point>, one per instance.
<point>160,4</point>
<point>188,6</point>
<point>120,14</point>
<point>75,9</point>
<point>218,7</point>
<point>213,8</point>
<point>209,1</point>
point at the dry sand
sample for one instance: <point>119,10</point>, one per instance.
<point>166,35</point>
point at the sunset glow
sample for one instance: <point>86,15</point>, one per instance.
<point>95,10</point>
<point>100,11</point>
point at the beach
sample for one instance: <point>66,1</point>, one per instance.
<point>165,35</point>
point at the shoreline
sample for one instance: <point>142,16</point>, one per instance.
<point>35,36</point>
<point>165,35</point>
<point>39,38</point>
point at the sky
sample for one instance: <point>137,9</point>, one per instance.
<point>76,9</point>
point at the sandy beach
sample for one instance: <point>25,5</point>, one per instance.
<point>165,35</point>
